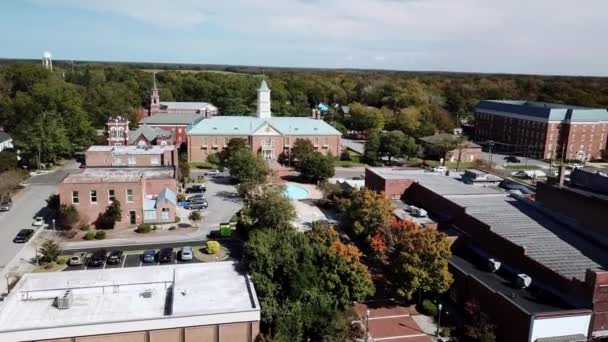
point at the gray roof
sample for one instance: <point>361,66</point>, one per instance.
<point>186,105</point>
<point>4,137</point>
<point>567,338</point>
<point>544,240</point>
<point>545,110</point>
<point>150,133</point>
<point>166,195</point>
<point>171,119</point>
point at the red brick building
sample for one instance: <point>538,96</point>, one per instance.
<point>433,148</point>
<point>504,240</point>
<point>157,106</point>
<point>132,156</point>
<point>267,136</point>
<point>177,124</point>
<point>542,130</point>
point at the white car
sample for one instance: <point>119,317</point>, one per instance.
<point>38,221</point>
<point>186,254</point>
<point>212,172</point>
<point>440,169</point>
<point>76,259</point>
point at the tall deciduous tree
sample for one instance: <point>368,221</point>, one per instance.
<point>315,166</point>
<point>366,211</point>
<point>269,207</point>
<point>302,148</point>
<point>372,148</point>
<point>416,259</point>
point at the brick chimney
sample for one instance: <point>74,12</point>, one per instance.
<point>316,114</point>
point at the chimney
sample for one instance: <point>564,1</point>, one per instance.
<point>316,114</point>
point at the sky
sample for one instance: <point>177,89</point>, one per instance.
<point>562,37</point>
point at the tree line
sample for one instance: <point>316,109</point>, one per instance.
<point>52,114</point>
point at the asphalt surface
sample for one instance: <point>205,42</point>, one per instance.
<point>27,204</point>
<point>499,159</point>
<point>131,260</point>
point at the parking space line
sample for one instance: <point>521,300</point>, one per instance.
<point>124,258</point>
<point>140,261</point>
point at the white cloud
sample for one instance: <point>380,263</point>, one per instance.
<point>560,36</point>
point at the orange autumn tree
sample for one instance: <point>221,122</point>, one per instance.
<point>415,259</point>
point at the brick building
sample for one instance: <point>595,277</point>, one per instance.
<point>145,194</point>
<point>120,135</point>
<point>433,148</point>
<point>177,124</point>
<point>172,303</point>
<point>132,156</point>
<point>157,106</point>
<point>267,136</point>
<point>542,130</point>
<point>504,239</point>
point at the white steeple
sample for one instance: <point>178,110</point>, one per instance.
<point>263,110</point>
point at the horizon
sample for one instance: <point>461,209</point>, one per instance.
<point>471,36</point>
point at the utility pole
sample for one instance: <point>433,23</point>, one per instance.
<point>367,313</point>
<point>491,143</point>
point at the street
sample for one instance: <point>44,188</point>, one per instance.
<point>499,160</point>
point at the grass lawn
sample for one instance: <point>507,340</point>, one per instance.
<point>355,160</point>
<point>522,167</point>
<point>203,165</point>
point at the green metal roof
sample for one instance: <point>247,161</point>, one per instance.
<point>171,119</point>
<point>246,125</point>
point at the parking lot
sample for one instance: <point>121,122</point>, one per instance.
<point>133,259</point>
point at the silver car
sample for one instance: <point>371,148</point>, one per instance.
<point>76,259</point>
<point>186,254</point>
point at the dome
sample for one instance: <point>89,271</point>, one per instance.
<point>46,54</point>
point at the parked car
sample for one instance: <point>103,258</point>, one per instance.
<point>23,236</point>
<point>418,212</point>
<point>76,259</point>
<point>197,205</point>
<point>148,256</point>
<point>440,169</point>
<point>510,185</point>
<point>165,255</point>
<point>6,204</point>
<point>38,221</point>
<point>115,257</point>
<point>212,172</point>
<point>186,253</point>
<point>97,258</point>
<point>196,196</point>
<point>195,189</point>
<point>512,159</point>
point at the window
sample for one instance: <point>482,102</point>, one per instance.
<point>129,195</point>
<point>93,196</point>
<point>132,161</point>
<point>75,197</point>
<point>155,161</point>
<point>111,196</point>
<point>164,214</point>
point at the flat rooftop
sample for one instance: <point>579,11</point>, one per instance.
<point>216,291</point>
<point>132,149</point>
<point>543,110</point>
<point>118,175</point>
<point>442,185</point>
<point>532,300</point>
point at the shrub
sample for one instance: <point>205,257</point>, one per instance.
<point>195,216</point>
<point>181,197</point>
<point>345,155</point>
<point>84,227</point>
<point>68,215</point>
<point>49,250</point>
<point>213,158</point>
<point>144,228</point>
<point>213,247</point>
<point>100,235</point>
<point>429,308</point>
<point>53,202</point>
<point>172,228</point>
<point>90,235</point>
<point>62,260</point>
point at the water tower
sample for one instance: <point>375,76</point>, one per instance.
<point>47,60</point>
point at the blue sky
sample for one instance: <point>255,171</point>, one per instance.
<point>514,36</point>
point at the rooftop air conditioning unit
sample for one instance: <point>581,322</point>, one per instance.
<point>523,280</point>
<point>493,265</point>
<point>65,301</point>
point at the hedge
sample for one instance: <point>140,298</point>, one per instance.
<point>213,247</point>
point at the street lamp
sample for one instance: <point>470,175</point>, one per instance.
<point>439,318</point>
<point>53,227</point>
<point>367,313</point>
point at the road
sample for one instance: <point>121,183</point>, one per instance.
<point>499,159</point>
<point>28,203</point>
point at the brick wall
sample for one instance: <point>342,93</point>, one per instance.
<point>392,188</point>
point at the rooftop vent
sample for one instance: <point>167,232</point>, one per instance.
<point>65,301</point>
<point>523,280</point>
<point>493,265</point>
<point>147,294</point>
<point>215,128</point>
<point>236,128</point>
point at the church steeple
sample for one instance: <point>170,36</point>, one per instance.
<point>263,109</point>
<point>154,98</point>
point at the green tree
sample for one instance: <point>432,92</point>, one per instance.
<point>372,149</point>
<point>315,166</point>
<point>53,202</point>
<point>477,324</point>
<point>8,161</point>
<point>301,148</point>
<point>364,118</point>
<point>269,207</point>
<point>108,219</point>
<point>50,250</point>
<point>366,211</point>
<point>416,259</point>
<point>68,215</point>
<point>195,216</point>
<point>395,144</point>
<point>246,168</point>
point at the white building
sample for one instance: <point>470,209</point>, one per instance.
<point>173,303</point>
<point>6,142</point>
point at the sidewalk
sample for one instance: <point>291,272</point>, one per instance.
<point>148,240</point>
